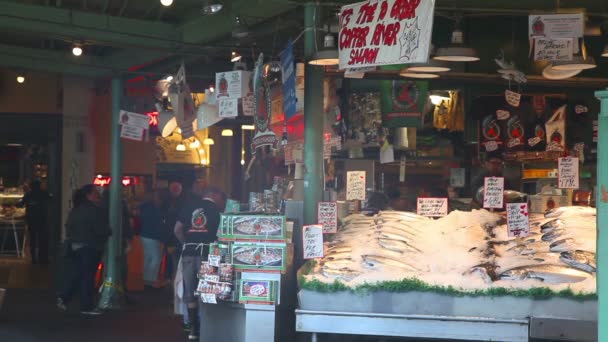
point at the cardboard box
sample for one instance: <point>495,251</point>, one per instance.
<point>542,203</point>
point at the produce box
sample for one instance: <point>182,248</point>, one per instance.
<point>258,292</point>
<point>542,203</point>
<point>259,257</point>
<point>252,228</point>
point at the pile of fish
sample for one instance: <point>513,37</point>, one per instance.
<point>466,250</point>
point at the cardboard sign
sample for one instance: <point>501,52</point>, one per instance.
<point>553,49</point>
<point>567,173</point>
<point>512,98</point>
<point>355,185</point>
<point>517,219</point>
<point>133,119</point>
<point>493,192</point>
<point>327,216</point>
<point>312,241</point>
<point>228,108</point>
<point>556,25</point>
<point>132,132</point>
<point>432,206</point>
<point>457,177</point>
<point>214,260</point>
<point>385,32</point>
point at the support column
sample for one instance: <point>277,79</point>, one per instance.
<point>313,120</point>
<point>112,287</point>
<point>601,200</point>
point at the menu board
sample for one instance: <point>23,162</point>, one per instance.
<point>327,216</point>
<point>432,206</point>
<point>312,241</point>
<point>355,185</point>
<point>567,176</point>
<point>493,192</point>
<point>517,219</point>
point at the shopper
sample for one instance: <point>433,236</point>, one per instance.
<point>153,233</point>
<point>493,166</point>
<point>36,203</point>
<point>87,232</point>
<point>195,228</point>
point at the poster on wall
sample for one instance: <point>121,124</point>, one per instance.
<point>403,103</point>
<point>374,33</point>
<point>556,25</point>
<point>262,113</point>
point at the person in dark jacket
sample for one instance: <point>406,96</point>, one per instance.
<point>87,231</point>
<point>153,233</point>
<point>36,203</point>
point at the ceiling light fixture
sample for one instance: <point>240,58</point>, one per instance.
<point>577,63</point>
<point>211,7</point>
<point>180,147</point>
<point>240,29</point>
<point>406,73</point>
<point>248,127</point>
<point>208,141</point>
<point>227,133</point>
<point>77,50</point>
<point>329,54</point>
<point>432,66</point>
<point>20,78</point>
<point>457,51</point>
<point>211,89</point>
<point>605,52</point>
<point>166,3</point>
<point>437,99</point>
<point>235,57</point>
<point>195,144</point>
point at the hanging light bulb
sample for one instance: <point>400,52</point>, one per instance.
<point>242,161</point>
<point>204,161</point>
<point>166,3</point>
<point>248,127</point>
<point>457,51</point>
<point>211,7</point>
<point>235,57</point>
<point>20,78</point>
<point>180,147</point>
<point>329,54</point>
<point>77,50</point>
<point>194,144</point>
<point>201,151</point>
<point>227,133</point>
<point>208,141</point>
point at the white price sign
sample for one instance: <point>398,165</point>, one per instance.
<point>493,192</point>
<point>567,176</point>
<point>553,49</point>
<point>133,119</point>
<point>432,206</point>
<point>228,108</point>
<point>132,132</point>
<point>211,278</point>
<point>517,219</point>
<point>355,185</point>
<point>208,298</point>
<point>312,241</point>
<point>327,216</point>
<point>214,260</point>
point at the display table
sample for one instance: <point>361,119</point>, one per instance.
<point>13,226</point>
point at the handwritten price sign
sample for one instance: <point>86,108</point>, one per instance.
<point>327,216</point>
<point>567,176</point>
<point>518,222</point>
<point>432,206</point>
<point>493,192</point>
<point>312,240</point>
<point>355,185</point>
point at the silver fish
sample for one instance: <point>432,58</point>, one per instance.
<point>563,245</point>
<point>582,260</point>
<point>553,274</point>
<point>400,232</point>
<point>342,273</point>
<point>397,245</point>
<point>554,234</point>
<point>393,236</point>
<point>486,270</point>
<point>338,255</point>
<point>374,261</point>
<point>339,249</point>
<point>556,212</point>
<point>551,225</point>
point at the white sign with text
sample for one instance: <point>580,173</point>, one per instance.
<point>553,49</point>
<point>355,185</point>
<point>327,216</point>
<point>228,108</point>
<point>518,222</point>
<point>312,241</point>
<point>567,173</point>
<point>432,206</point>
<point>493,192</point>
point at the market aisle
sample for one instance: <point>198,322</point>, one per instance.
<point>30,315</point>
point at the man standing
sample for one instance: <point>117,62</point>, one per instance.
<point>36,214</point>
<point>492,167</point>
<point>196,228</point>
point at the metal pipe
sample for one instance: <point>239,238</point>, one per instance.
<point>602,216</point>
<point>313,121</point>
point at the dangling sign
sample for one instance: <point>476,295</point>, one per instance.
<point>262,114</point>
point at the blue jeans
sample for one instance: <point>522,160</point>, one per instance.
<point>83,279</point>
<point>153,255</point>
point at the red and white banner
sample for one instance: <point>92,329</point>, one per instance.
<point>385,32</point>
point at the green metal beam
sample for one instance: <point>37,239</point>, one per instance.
<point>602,217</point>
<point>64,23</point>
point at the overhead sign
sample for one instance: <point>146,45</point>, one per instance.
<point>553,49</point>
<point>289,81</point>
<point>385,32</point>
<point>327,216</point>
<point>518,222</point>
<point>567,173</point>
<point>355,185</point>
<point>432,206</point>
<point>312,241</point>
<point>556,25</point>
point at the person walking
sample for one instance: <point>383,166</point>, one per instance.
<point>153,233</point>
<point>36,203</point>
<point>87,232</point>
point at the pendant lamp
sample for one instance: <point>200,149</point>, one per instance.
<point>457,51</point>
<point>422,75</point>
<point>211,7</point>
<point>605,52</point>
<point>328,55</point>
<point>577,63</point>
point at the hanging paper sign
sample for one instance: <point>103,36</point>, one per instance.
<point>517,219</point>
<point>553,49</point>
<point>214,260</point>
<point>556,25</point>
<point>493,192</point>
<point>327,216</point>
<point>228,108</point>
<point>132,132</point>
<point>402,103</point>
<point>312,241</point>
<point>357,72</point>
<point>502,114</point>
<point>567,176</point>
<point>457,177</point>
<point>262,116</point>
<point>289,81</point>
<point>385,32</point>
<point>432,206</point>
<point>248,105</point>
<point>387,153</point>
<point>232,84</point>
<point>512,98</point>
<point>355,185</point>
<point>213,278</point>
<point>134,119</point>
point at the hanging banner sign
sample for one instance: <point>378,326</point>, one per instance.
<point>553,49</point>
<point>432,207</point>
<point>517,219</point>
<point>556,25</point>
<point>228,108</point>
<point>493,192</point>
<point>402,103</point>
<point>327,216</point>
<point>289,81</point>
<point>385,32</point>
<point>262,113</point>
<point>312,241</point>
<point>355,185</point>
<point>567,173</point>
<point>133,119</point>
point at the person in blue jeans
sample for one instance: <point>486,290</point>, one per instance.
<point>153,234</point>
<point>87,231</point>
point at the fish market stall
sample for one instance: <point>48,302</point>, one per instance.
<point>457,277</point>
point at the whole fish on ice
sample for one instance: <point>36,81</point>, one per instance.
<point>563,245</point>
<point>553,274</point>
<point>375,261</point>
<point>583,260</point>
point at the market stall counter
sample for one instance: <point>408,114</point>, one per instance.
<point>460,277</point>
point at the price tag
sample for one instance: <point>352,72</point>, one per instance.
<point>355,185</point>
<point>312,240</point>
<point>457,178</point>
<point>208,298</point>
<point>432,206</point>
<point>567,176</point>
<point>512,98</point>
<point>493,192</point>
<point>517,219</point>
<point>327,216</point>
<point>214,260</point>
<point>211,278</point>
<point>228,108</point>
